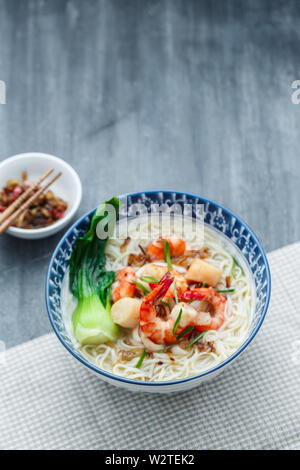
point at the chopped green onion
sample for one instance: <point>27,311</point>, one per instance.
<point>234,264</point>
<point>226,290</point>
<point>167,254</point>
<point>162,302</point>
<point>146,291</point>
<point>177,322</point>
<point>140,362</point>
<point>150,278</point>
<point>163,350</point>
<point>184,332</point>
<point>175,292</point>
<point>196,339</point>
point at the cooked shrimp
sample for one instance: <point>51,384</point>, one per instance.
<point>181,284</point>
<point>125,287</point>
<point>215,317</point>
<point>156,250</point>
<point>153,327</point>
<point>160,330</point>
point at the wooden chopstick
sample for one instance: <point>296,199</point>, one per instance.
<point>10,209</point>
<point>26,204</point>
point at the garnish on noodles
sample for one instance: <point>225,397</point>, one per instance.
<point>177,322</point>
<point>181,306</point>
<point>140,361</point>
<point>234,264</point>
<point>167,254</point>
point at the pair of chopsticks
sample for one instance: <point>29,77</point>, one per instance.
<point>22,203</point>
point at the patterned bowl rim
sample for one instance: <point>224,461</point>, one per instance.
<point>171,382</point>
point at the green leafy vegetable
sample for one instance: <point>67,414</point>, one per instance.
<point>144,289</point>
<point>226,290</point>
<point>140,362</point>
<point>234,264</point>
<point>177,322</point>
<point>90,282</point>
<point>203,284</point>
<point>184,332</point>
<point>196,339</point>
<point>167,254</point>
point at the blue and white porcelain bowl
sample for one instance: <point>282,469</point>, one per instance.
<point>216,216</point>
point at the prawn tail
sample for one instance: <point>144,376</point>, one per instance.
<point>153,286</point>
<point>161,288</point>
<point>165,277</point>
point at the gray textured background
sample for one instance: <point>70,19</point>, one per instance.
<point>189,95</point>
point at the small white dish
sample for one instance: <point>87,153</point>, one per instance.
<point>68,187</point>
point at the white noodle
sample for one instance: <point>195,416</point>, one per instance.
<point>159,366</point>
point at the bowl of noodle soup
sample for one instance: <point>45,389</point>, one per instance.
<point>147,355</point>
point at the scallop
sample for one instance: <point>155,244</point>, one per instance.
<point>126,312</point>
<point>201,271</point>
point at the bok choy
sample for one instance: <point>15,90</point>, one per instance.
<point>90,282</point>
